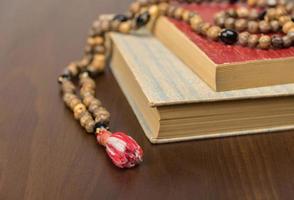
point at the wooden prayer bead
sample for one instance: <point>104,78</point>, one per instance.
<point>252,41</point>
<point>287,42</point>
<point>89,126</point>
<point>125,27</point>
<point>291,34</point>
<point>242,12</point>
<point>213,32</point>
<point>253,15</point>
<point>195,21</point>
<point>187,15</point>
<point>154,11</point>
<point>277,41</point>
<point>78,110</point>
<point>163,8</point>
<point>204,28</point>
<point>178,13</point>
<point>287,26</point>
<point>264,42</point>
<point>253,27</point>
<point>275,25</point>
<point>241,24</point>
<point>73,103</point>
<point>135,7</point>
<point>243,38</point>
<point>230,23</point>
<point>264,27</point>
<point>284,19</point>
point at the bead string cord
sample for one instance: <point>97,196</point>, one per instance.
<point>241,25</point>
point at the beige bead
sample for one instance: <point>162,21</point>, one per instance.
<point>253,27</point>
<point>275,25</point>
<point>251,3</point>
<point>178,13</point>
<point>264,42</point>
<point>252,41</point>
<point>253,14</point>
<point>78,110</point>
<point>125,27</point>
<point>230,23</point>
<point>88,99</point>
<point>243,38</point>
<point>195,21</point>
<point>163,8</point>
<point>287,41</point>
<point>287,26</point>
<point>105,25</point>
<point>187,15</point>
<point>284,19</point>
<point>99,58</point>
<point>271,14</point>
<point>90,126</point>
<point>135,7</point>
<point>291,34</point>
<point>98,40</point>
<point>242,12</point>
<point>264,26</point>
<point>261,3</point>
<point>280,11</point>
<point>204,28</point>
<point>213,32</point>
<point>241,24</point>
<point>73,103</point>
<point>85,118</point>
<point>73,69</point>
<point>68,87</point>
<point>154,11</point>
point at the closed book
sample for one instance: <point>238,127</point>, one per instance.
<point>173,104</point>
<point>224,67</point>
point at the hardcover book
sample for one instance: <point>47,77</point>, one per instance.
<point>224,67</point>
<point>173,104</point>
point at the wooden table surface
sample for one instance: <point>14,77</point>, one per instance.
<point>44,154</point>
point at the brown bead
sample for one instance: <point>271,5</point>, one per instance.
<point>135,7</point>
<point>287,42</point>
<point>163,8</point>
<point>88,99</point>
<point>243,38</point>
<point>253,27</point>
<point>99,49</point>
<point>275,25</point>
<point>89,126</point>
<point>252,41</point>
<point>105,25</point>
<point>85,118</point>
<point>277,41</point>
<point>232,12</point>
<point>213,32</point>
<point>271,14</point>
<point>73,69</point>
<point>220,22</point>
<point>125,27</point>
<point>241,24</point>
<point>251,3</point>
<point>115,25</point>
<point>253,14</point>
<point>187,15</point>
<point>93,107</point>
<point>281,11</point>
<point>230,23</point>
<point>291,34</point>
<point>264,27</point>
<point>195,21</point>
<point>284,19</point>
<point>154,11</point>
<point>242,12</point>
<point>74,102</point>
<point>264,42</point>
<point>78,109</point>
<point>204,28</point>
<point>289,6</point>
<point>68,87</point>
<point>178,13</point>
<point>261,3</point>
<point>287,26</point>
<point>171,10</point>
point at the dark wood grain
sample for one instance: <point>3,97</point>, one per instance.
<point>44,154</point>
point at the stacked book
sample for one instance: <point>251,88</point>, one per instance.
<point>175,97</point>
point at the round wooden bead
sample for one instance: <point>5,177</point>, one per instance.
<point>74,102</point>
<point>264,26</point>
<point>281,11</point>
<point>204,28</point>
<point>88,99</point>
<point>275,25</point>
<point>253,14</point>
<point>213,32</point>
<point>78,110</point>
<point>287,42</point>
<point>232,12</point>
<point>251,3</point>
<point>135,7</point>
<point>105,25</point>
<point>220,22</point>
<point>241,24</point>
<point>171,10</point>
<point>187,15</point>
<point>264,42</point>
<point>125,27</point>
<point>163,8</point>
<point>284,19</point>
<point>89,126</point>
<point>99,49</point>
<point>86,117</point>
<point>291,34</point>
<point>287,26</point>
<point>154,11</point>
<point>178,13</point>
<point>195,21</point>
<point>230,23</point>
<point>271,14</point>
<point>277,41</point>
<point>73,69</point>
<point>253,27</point>
<point>243,38</point>
<point>242,12</point>
<point>252,41</point>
